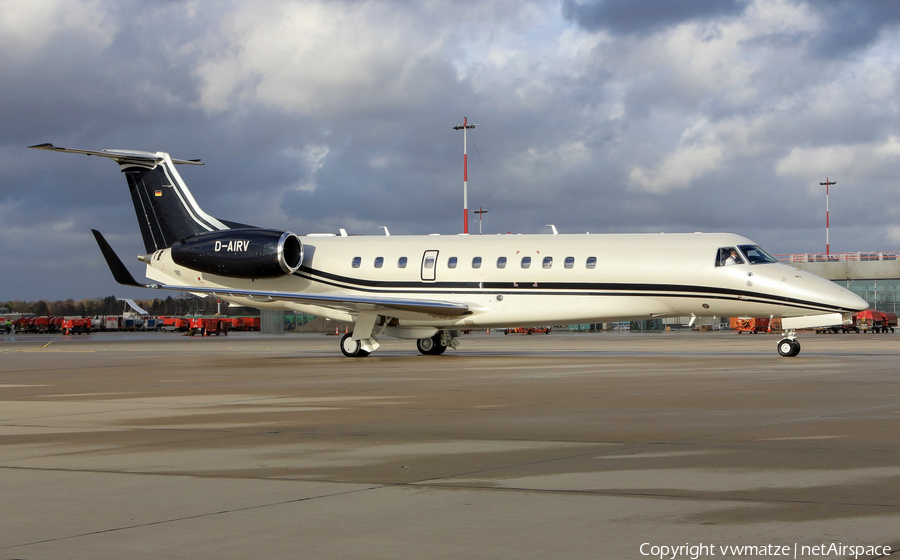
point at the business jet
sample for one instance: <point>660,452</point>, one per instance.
<point>429,287</point>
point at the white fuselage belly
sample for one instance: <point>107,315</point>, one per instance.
<point>636,276</point>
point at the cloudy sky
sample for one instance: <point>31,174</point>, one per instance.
<point>594,115</point>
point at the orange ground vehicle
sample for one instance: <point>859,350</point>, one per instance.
<point>750,324</point>
<point>528,330</point>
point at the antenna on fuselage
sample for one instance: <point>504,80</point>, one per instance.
<point>481,212</point>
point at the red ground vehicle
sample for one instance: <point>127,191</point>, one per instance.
<point>890,321</point>
<point>238,323</point>
<point>40,325</point>
<point>76,326</point>
<point>750,324</point>
<point>173,324</point>
<point>876,321</point>
<point>208,326</point>
<point>528,330</point>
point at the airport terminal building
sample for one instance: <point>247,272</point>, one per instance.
<point>875,277</point>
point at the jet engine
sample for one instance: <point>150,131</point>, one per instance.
<point>241,253</point>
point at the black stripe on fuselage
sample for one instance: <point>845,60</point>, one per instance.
<point>560,289</point>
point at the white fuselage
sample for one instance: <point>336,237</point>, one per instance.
<point>588,278</point>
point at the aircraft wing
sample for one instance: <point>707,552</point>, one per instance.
<point>342,302</point>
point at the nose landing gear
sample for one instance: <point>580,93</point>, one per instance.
<point>789,346</point>
<point>352,348</point>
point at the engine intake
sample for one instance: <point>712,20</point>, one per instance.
<point>241,253</point>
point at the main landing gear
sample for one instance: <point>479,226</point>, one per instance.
<point>433,346</point>
<point>789,346</point>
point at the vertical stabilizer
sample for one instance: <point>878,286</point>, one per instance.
<point>166,211</point>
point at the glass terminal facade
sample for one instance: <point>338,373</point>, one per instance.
<point>882,295</point>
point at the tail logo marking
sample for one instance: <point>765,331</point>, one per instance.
<point>232,246</point>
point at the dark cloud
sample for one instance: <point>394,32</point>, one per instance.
<point>364,139</point>
<point>852,25</point>
<point>645,16</point>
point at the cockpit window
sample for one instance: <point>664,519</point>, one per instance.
<point>728,256</point>
<point>757,255</point>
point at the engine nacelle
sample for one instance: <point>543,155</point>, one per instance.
<point>241,253</point>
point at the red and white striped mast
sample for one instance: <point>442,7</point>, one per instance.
<point>464,126</point>
<point>827,184</point>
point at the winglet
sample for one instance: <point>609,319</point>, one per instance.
<point>116,266</point>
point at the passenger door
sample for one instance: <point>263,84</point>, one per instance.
<point>429,264</point>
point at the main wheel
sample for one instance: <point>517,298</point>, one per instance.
<point>352,348</point>
<point>431,346</point>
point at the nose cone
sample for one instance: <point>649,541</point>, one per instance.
<point>849,300</point>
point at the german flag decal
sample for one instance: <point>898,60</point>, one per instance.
<point>158,193</point>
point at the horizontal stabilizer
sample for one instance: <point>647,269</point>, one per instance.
<point>121,156</point>
<point>116,266</point>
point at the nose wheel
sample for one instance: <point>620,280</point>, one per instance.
<point>352,348</point>
<point>788,347</point>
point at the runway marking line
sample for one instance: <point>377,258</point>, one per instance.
<point>44,347</point>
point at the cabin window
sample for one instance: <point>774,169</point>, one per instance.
<point>569,262</point>
<point>429,262</point>
<point>357,261</point>
<point>476,262</point>
<point>401,262</point>
<point>501,262</point>
<point>727,256</point>
<point>591,262</point>
<point>548,262</point>
<point>379,262</point>
<point>757,255</point>
<point>526,262</point>
<point>451,262</point>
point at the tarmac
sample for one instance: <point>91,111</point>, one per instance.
<point>595,446</point>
